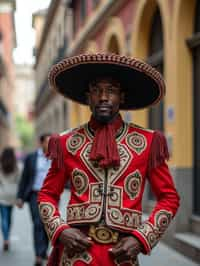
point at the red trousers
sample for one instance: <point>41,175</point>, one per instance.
<point>97,255</point>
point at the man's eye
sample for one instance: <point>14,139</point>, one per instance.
<point>113,90</point>
<point>110,90</point>
<point>95,89</point>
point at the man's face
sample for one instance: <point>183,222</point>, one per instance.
<point>104,97</point>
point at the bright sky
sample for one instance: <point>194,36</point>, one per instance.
<point>25,33</point>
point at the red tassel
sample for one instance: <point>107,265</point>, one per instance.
<point>55,151</point>
<point>159,151</point>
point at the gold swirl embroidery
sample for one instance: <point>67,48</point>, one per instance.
<point>136,142</point>
<point>51,222</point>
<point>66,261</point>
<point>132,184</point>
<point>75,142</point>
<point>80,181</point>
<point>153,232</point>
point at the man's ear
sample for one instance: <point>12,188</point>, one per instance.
<point>122,97</point>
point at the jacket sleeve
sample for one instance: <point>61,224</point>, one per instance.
<point>161,182</point>
<point>48,199</point>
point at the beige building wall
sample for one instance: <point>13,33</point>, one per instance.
<point>24,90</point>
<point>7,44</point>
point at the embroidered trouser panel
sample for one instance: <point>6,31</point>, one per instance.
<point>97,255</point>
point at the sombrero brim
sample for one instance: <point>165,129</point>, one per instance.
<point>143,85</point>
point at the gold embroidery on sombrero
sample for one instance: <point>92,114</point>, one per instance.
<point>51,222</point>
<point>66,261</point>
<point>137,142</point>
<point>75,142</point>
<point>80,181</point>
<point>132,184</point>
<point>153,232</point>
<point>141,66</point>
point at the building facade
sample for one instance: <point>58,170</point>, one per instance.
<point>7,44</point>
<point>166,34</point>
<point>51,110</point>
<point>24,90</point>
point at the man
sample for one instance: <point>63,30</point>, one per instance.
<point>108,162</point>
<point>36,166</point>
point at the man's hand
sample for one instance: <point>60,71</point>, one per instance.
<point>126,249</point>
<point>19,203</point>
<point>75,241</point>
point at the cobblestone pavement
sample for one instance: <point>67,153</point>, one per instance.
<point>21,253</point>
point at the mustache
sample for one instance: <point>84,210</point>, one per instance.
<point>103,105</point>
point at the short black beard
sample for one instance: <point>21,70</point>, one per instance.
<point>105,119</point>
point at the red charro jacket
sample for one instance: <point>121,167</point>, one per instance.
<point>115,192</point>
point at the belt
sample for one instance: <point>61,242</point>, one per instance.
<point>103,234</point>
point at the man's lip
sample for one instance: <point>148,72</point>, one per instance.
<point>104,107</point>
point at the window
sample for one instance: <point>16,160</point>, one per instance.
<point>83,10</point>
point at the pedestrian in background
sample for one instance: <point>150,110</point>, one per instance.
<point>36,166</point>
<point>9,178</point>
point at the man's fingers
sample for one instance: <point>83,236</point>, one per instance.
<point>119,244</point>
<point>122,258</point>
<point>84,240</point>
<point>117,251</point>
<point>79,248</point>
<point>86,243</point>
<point>75,248</point>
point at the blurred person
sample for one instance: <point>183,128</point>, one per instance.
<point>36,166</point>
<point>9,178</point>
<point>107,161</point>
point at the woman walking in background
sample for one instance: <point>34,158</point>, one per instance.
<point>9,178</point>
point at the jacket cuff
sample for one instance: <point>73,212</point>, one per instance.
<point>52,221</point>
<point>57,233</point>
<point>149,233</point>
<point>143,238</point>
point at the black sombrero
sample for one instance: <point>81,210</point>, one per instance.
<point>143,85</point>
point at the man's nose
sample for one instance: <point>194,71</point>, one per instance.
<point>103,95</point>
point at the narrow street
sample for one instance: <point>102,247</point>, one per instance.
<point>21,253</point>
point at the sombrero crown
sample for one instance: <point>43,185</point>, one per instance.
<point>143,85</point>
